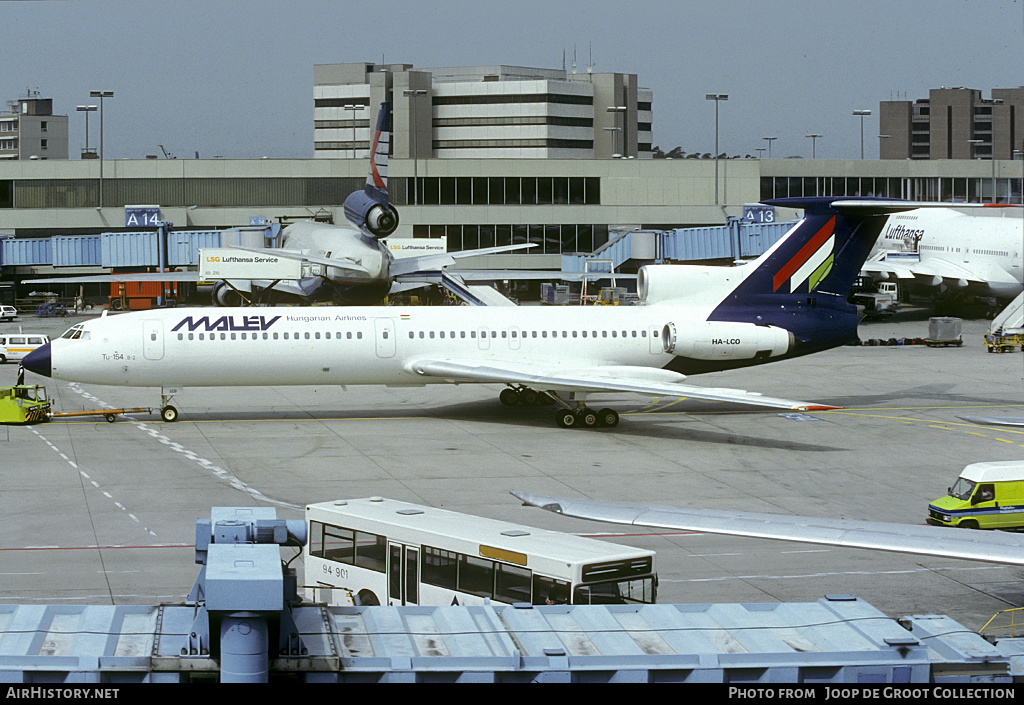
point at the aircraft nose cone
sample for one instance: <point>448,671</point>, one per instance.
<point>38,361</point>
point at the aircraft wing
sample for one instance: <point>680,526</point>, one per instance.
<point>549,275</point>
<point>411,266</point>
<point>889,267</point>
<point>987,546</point>
<point>636,380</point>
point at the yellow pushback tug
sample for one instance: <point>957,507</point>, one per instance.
<point>27,403</point>
<point>24,404</point>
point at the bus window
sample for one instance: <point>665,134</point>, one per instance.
<point>476,576</point>
<point>548,591</point>
<point>440,568</point>
<point>511,583</point>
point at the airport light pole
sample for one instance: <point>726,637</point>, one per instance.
<point>86,109</point>
<point>615,140</point>
<point>814,143</point>
<point>862,113</point>
<point>620,109</point>
<point>717,97</point>
<point>412,94</point>
<point>769,140</point>
<point>101,95</point>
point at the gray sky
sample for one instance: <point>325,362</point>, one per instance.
<point>235,78</point>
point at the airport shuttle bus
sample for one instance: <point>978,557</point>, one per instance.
<point>378,551</point>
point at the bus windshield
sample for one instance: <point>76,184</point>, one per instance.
<point>623,592</point>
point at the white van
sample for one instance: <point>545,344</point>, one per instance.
<point>14,346</point>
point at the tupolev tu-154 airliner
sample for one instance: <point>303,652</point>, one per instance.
<point>789,302</point>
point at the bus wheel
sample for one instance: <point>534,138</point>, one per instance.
<point>367,598</point>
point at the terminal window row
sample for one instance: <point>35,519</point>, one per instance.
<point>503,190</point>
<point>547,239</point>
<point>933,188</point>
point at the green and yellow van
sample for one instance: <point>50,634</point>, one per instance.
<point>985,496</point>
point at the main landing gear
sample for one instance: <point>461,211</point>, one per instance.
<point>575,414</point>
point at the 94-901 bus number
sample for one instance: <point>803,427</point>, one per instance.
<point>336,571</point>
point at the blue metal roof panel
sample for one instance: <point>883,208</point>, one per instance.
<point>833,640</point>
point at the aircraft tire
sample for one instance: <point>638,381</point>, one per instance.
<point>566,418</point>
<point>528,397</point>
<point>508,396</point>
<point>588,418</point>
<point>608,418</point>
<point>169,414</point>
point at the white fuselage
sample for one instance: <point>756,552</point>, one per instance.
<point>987,248</point>
<point>356,345</point>
<point>340,243</point>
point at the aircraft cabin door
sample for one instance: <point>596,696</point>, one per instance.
<point>483,338</point>
<point>153,340</point>
<point>385,334</point>
<point>514,335</point>
<point>403,574</point>
<point>657,347</point>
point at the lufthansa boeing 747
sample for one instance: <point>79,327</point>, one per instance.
<point>789,302</point>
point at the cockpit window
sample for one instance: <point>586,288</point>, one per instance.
<point>76,333</point>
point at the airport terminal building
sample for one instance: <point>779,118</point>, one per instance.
<point>480,156</point>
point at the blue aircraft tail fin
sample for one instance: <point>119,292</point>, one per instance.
<point>801,284</point>
<point>825,251</point>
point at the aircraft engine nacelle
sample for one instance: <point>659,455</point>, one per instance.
<point>725,340</point>
<point>224,295</point>
<point>695,283</point>
<point>370,214</point>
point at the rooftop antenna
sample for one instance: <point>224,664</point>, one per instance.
<point>590,66</point>
<point>574,57</point>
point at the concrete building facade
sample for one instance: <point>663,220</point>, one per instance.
<point>481,112</point>
<point>30,130</point>
<point>953,123</point>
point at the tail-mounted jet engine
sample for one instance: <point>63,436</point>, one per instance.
<point>725,340</point>
<point>369,214</point>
